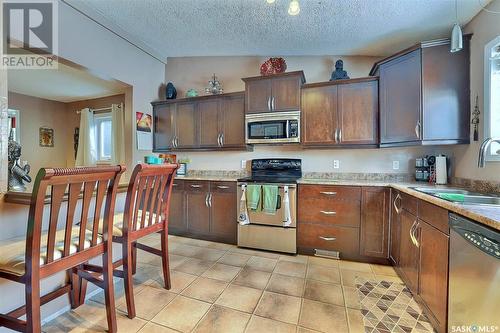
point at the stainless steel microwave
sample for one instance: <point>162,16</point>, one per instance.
<point>273,127</point>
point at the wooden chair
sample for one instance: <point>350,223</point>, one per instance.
<point>146,212</point>
<point>46,253</point>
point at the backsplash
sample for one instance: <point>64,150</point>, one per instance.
<point>394,177</point>
<point>477,185</point>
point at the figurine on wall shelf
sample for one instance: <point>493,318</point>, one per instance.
<point>170,91</point>
<point>17,174</point>
<point>339,73</point>
<point>475,119</point>
<point>214,86</point>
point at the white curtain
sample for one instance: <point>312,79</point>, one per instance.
<point>87,152</point>
<point>118,137</point>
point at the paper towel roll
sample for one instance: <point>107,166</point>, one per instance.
<point>441,170</point>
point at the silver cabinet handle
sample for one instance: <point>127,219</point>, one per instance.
<point>222,139</point>
<point>172,142</point>
<point>417,244</point>
<point>417,129</point>
<point>328,212</point>
<point>222,187</point>
<point>336,135</point>
<point>412,235</point>
<point>398,209</point>
<point>206,200</point>
<point>328,193</point>
<point>269,103</point>
<point>174,184</point>
<point>218,139</point>
<point>210,200</point>
<point>328,239</point>
<point>195,186</point>
<point>272,103</point>
<point>340,135</point>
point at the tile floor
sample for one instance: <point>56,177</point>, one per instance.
<point>221,288</point>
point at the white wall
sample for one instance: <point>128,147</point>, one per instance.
<point>485,27</point>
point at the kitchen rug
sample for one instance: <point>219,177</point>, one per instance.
<point>389,307</point>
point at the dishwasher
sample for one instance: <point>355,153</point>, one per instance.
<point>474,282</point>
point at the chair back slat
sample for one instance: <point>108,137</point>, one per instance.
<point>88,189</point>
<point>147,195</point>
<point>55,206</point>
<point>48,254</point>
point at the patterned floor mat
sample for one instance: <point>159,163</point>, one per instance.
<point>389,307</point>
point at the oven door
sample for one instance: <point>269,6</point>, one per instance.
<point>278,127</point>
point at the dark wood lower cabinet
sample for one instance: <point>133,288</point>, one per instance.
<point>177,212</point>
<point>197,212</point>
<point>395,228</point>
<point>374,240</point>
<point>223,211</point>
<point>408,251</point>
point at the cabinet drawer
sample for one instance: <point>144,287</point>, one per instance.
<point>223,187</point>
<point>409,203</point>
<point>434,215</point>
<point>178,185</point>
<point>324,210</point>
<point>342,239</point>
<point>196,186</point>
<point>330,192</point>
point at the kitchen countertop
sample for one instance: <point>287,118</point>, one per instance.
<point>484,214</point>
<point>210,178</point>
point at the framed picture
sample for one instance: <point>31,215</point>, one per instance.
<point>46,137</point>
<point>144,122</point>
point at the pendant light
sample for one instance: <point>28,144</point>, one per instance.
<point>270,1</point>
<point>294,7</point>
<point>456,33</point>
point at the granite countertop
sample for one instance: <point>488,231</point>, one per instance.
<point>208,177</point>
<point>484,214</point>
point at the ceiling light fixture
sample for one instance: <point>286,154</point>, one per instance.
<point>294,7</point>
<point>456,33</point>
<point>270,1</point>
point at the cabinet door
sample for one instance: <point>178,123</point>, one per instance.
<point>319,120</point>
<point>433,275</point>
<point>208,111</point>
<point>375,222</point>
<point>223,212</point>
<point>197,208</point>
<point>258,96</point>
<point>177,217</point>
<point>395,227</point>
<point>408,252</point>
<point>233,121</point>
<point>164,129</point>
<point>400,99</point>
<point>358,113</point>
<point>186,125</point>
<point>286,93</point>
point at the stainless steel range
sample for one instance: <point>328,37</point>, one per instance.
<point>270,231</point>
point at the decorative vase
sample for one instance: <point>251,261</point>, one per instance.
<point>191,93</point>
<point>273,66</point>
<point>170,91</point>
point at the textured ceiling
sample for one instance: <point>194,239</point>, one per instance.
<point>173,28</point>
<point>66,84</point>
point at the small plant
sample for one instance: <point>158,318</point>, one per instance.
<point>184,160</point>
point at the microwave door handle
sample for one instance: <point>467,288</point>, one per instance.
<point>287,130</point>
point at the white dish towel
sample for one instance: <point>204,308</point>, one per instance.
<point>287,216</point>
<point>243,213</point>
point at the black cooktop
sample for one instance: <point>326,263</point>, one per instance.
<point>270,179</point>
<point>275,170</point>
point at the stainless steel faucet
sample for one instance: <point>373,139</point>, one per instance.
<point>483,150</point>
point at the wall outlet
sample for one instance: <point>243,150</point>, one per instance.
<point>395,165</point>
<point>243,164</point>
<point>336,164</point>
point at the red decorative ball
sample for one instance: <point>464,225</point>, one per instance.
<point>273,66</point>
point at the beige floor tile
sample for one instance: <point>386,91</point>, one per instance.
<point>175,260</point>
<point>355,320</point>
<point>291,268</point>
<point>266,254</point>
<point>294,258</point>
<point>390,278</point>
<point>81,319</point>
<point>186,250</point>
<point>383,270</point>
<point>305,330</point>
<point>264,325</point>
<point>261,264</point>
<point>220,246</point>
<point>180,281</point>
<point>182,313</point>
<point>318,261</point>
<point>323,273</point>
<point>324,292</point>
<point>148,302</point>
<point>323,317</point>
<point>279,307</point>
<point>252,278</point>
<point>288,285</point>
<point>146,274</point>
<point>151,327</point>
<point>234,259</point>
<point>148,258</point>
<point>194,266</point>
<point>223,320</point>
<point>124,323</point>
<point>222,272</point>
<point>205,289</point>
<point>240,298</point>
<point>351,297</point>
<point>355,266</point>
<point>210,254</point>
<point>349,276</point>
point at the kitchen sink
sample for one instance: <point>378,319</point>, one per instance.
<point>460,196</point>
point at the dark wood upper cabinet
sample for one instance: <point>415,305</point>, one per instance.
<point>185,125</point>
<point>340,113</point>
<point>425,95</point>
<point>232,123</point>
<point>164,127</point>
<point>374,241</point>
<point>279,92</point>
<point>208,112</point>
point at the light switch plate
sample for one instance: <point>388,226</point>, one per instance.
<point>395,165</point>
<point>243,164</point>
<point>336,164</point>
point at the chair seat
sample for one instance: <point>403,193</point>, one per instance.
<point>13,258</point>
<point>118,223</point>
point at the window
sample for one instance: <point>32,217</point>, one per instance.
<point>103,128</point>
<point>492,96</point>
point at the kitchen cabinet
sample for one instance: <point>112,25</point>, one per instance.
<point>278,92</point>
<point>374,240</point>
<point>395,227</point>
<point>424,95</point>
<point>340,113</point>
<point>204,209</point>
<point>200,123</point>
<point>408,251</point>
